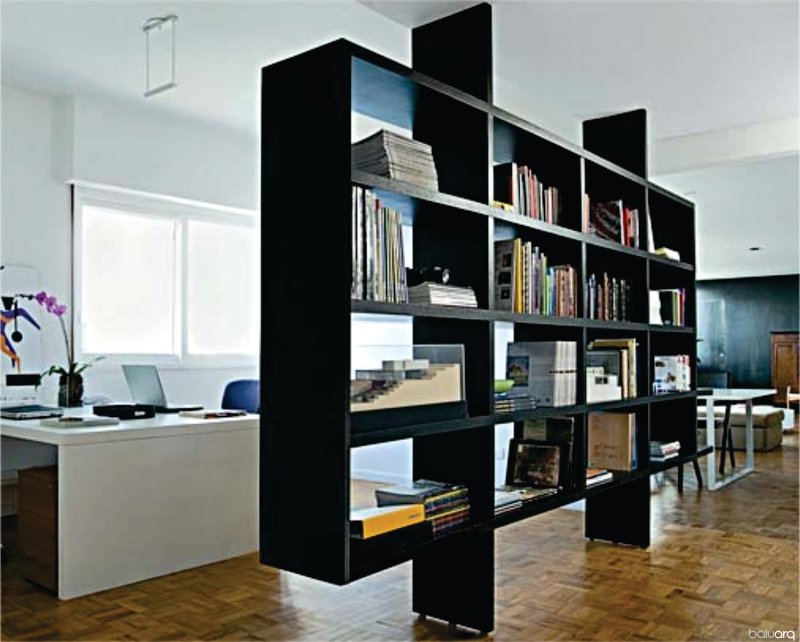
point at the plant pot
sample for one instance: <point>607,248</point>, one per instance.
<point>70,391</point>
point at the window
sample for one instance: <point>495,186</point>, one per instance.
<point>165,280</point>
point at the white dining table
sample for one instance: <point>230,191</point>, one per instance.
<point>728,396</point>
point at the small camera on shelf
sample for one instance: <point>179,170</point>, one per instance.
<point>415,276</point>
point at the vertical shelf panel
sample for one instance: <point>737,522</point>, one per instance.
<point>619,138</point>
<point>305,286</point>
<point>621,514</point>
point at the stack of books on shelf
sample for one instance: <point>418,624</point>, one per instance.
<point>617,357</point>
<point>673,373</point>
<point>370,522</point>
<point>667,307</point>
<point>608,299</point>
<point>612,221</point>
<point>446,505</point>
<point>612,441</point>
<point>429,293</point>
<point>544,372</point>
<point>664,450</point>
<point>596,476</point>
<point>504,403</point>
<point>526,284</point>
<point>517,188</point>
<point>379,272</point>
<point>393,156</point>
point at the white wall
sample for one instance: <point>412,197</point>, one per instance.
<point>46,140</point>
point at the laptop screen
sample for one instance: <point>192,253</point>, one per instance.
<point>145,385</point>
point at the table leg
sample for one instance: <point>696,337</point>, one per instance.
<point>726,426</point>
<point>749,439</point>
<point>711,462</point>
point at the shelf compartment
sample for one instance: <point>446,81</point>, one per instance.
<point>603,185</point>
<point>553,165</point>
<point>380,436</point>
<point>632,269</point>
<point>456,130</point>
<point>661,466</point>
<point>670,221</point>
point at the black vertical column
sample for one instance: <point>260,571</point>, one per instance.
<point>306,273</point>
<point>620,138</point>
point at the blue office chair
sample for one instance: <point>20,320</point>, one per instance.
<point>242,394</point>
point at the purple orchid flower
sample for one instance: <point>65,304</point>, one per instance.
<point>40,297</point>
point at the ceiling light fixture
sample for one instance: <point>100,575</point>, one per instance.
<point>162,31</point>
<point>755,248</point>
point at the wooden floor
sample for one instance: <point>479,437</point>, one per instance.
<point>720,563</point>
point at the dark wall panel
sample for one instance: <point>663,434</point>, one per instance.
<point>735,318</point>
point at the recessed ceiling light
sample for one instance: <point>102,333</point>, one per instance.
<point>755,248</point>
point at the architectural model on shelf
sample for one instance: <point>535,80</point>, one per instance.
<point>445,102</point>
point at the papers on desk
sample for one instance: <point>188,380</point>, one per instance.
<point>219,413</point>
<point>80,422</point>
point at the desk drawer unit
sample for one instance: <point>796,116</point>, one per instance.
<point>38,525</point>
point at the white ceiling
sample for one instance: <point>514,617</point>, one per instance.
<point>743,205</point>
<point>697,64</point>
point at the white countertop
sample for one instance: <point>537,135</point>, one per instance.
<point>736,394</point>
<point>162,425</point>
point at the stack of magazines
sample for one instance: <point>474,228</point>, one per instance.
<point>429,293</point>
<point>393,156</point>
<point>446,505</point>
<point>664,450</point>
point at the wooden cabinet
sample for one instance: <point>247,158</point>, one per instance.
<point>784,363</point>
<point>38,525</point>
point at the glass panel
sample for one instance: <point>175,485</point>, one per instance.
<point>128,283</point>
<point>222,289</point>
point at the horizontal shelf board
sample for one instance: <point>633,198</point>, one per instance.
<point>537,319</point>
<point>672,328</point>
<point>420,310</point>
<point>616,325</point>
<point>596,241</point>
<point>383,435</point>
<point>678,265</point>
<point>535,224</point>
<point>661,466</point>
<point>417,193</point>
<point>672,396</point>
<point>413,191</point>
<point>412,76</point>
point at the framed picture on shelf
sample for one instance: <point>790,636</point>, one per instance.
<point>536,464</point>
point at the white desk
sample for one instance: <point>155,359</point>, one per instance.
<point>148,497</point>
<point>730,396</point>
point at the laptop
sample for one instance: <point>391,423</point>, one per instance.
<point>145,386</point>
<point>32,411</point>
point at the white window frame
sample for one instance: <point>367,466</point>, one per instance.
<point>145,204</point>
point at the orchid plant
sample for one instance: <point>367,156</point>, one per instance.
<point>51,305</point>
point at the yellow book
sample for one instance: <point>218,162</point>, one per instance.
<point>369,522</point>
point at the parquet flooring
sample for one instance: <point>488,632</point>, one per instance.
<point>720,563</point>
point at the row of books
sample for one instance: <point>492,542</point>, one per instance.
<point>611,220</point>
<point>445,505</point>
<point>672,373</point>
<point>664,450</point>
<point>668,307</point>
<point>525,283</point>
<point>608,299</point>
<point>391,155</point>
<point>543,372</point>
<point>518,188</point>
<point>379,272</point>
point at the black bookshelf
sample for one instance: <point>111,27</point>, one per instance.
<point>307,436</point>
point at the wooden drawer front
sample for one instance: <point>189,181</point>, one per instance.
<point>41,572</point>
<point>38,543</point>
<point>38,536</point>
<point>37,495</point>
